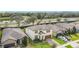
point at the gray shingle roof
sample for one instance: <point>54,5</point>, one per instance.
<point>54,27</point>
<point>47,27</point>
<point>15,33</point>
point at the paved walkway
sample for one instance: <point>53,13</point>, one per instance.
<point>56,42</point>
<point>69,43</point>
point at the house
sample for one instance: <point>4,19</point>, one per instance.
<point>35,32</point>
<point>46,31</point>
<point>41,31</point>
<point>11,37</point>
<point>8,23</point>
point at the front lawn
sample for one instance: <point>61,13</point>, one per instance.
<point>41,45</point>
<point>69,46</point>
<point>60,41</point>
<point>77,34</point>
<point>74,37</point>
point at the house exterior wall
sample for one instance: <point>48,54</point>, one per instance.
<point>48,34</point>
<point>30,33</point>
<point>33,35</point>
<point>43,36</point>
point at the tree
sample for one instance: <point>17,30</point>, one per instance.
<point>32,19</point>
<point>41,15</point>
<point>17,18</point>
<point>58,19</point>
<point>29,14</point>
<point>69,31</point>
<point>24,42</point>
<point>74,30</point>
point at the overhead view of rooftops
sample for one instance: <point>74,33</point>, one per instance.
<point>39,29</point>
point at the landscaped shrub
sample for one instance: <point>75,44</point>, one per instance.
<point>70,31</point>
<point>37,40</point>
<point>0,34</point>
<point>24,42</point>
<point>59,34</point>
<point>74,30</point>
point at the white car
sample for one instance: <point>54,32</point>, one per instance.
<point>63,38</point>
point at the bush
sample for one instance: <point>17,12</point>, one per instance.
<point>24,42</point>
<point>37,40</point>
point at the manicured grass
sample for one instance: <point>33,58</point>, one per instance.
<point>74,37</point>
<point>41,45</point>
<point>60,41</point>
<point>5,18</point>
<point>69,46</point>
<point>77,34</point>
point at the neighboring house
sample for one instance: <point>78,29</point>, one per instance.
<point>12,24</point>
<point>11,36</point>
<point>8,23</point>
<point>39,34</point>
